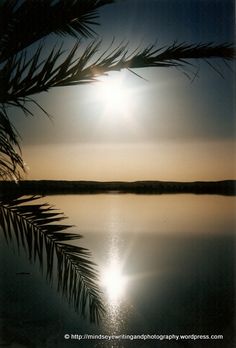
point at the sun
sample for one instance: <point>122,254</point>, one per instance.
<point>114,94</point>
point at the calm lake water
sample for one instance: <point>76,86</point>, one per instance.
<point>166,265</point>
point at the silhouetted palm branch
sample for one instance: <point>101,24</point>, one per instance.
<point>36,228</point>
<point>24,22</point>
<point>11,163</point>
<point>22,77</point>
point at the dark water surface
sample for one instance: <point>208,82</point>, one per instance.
<point>166,264</point>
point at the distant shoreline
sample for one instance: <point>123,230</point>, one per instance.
<point>49,187</point>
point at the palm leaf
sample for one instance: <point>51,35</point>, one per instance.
<point>22,77</point>
<point>24,22</point>
<point>36,227</point>
<point>11,163</point>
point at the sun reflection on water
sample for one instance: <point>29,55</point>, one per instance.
<point>114,282</point>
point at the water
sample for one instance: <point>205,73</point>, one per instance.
<point>166,265</point>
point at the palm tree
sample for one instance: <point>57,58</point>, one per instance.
<point>26,69</point>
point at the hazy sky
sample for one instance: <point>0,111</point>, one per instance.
<point>163,127</point>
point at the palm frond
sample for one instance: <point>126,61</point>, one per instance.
<point>11,163</point>
<point>22,78</point>
<point>24,22</point>
<point>36,227</point>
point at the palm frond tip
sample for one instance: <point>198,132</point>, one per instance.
<point>24,22</point>
<point>36,228</point>
<point>11,163</point>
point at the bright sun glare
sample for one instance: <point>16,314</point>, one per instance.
<point>114,281</point>
<point>114,94</point>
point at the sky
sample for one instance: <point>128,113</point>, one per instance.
<point>160,127</point>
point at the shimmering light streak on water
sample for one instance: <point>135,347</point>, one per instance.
<point>114,284</point>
